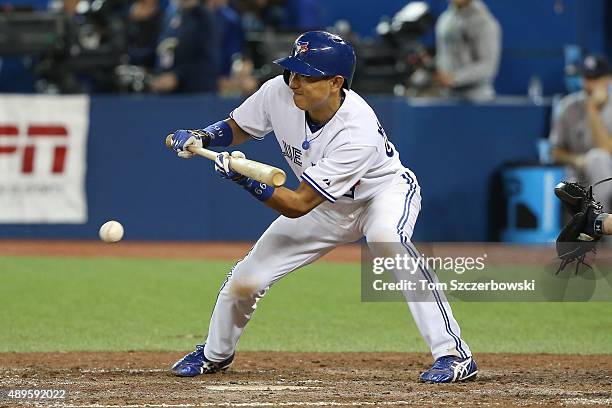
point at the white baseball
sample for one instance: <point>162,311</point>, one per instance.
<point>111,231</point>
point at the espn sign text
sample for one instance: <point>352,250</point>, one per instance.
<point>29,145</point>
<point>43,140</point>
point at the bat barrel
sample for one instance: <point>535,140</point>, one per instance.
<point>279,179</point>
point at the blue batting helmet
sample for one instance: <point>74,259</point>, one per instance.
<point>320,54</point>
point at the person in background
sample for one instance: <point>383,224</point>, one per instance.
<point>581,137</point>
<point>144,26</point>
<point>261,15</point>
<point>468,42</point>
<point>18,72</point>
<point>66,6</point>
<point>303,15</point>
<point>231,34</point>
<point>236,70</point>
<point>283,15</point>
<point>188,51</point>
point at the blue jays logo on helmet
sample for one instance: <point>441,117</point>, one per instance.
<point>300,46</point>
<point>320,54</point>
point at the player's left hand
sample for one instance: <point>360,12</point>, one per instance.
<point>182,139</point>
<point>223,163</point>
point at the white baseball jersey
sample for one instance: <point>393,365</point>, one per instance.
<point>350,158</point>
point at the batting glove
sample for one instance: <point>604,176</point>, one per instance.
<point>182,139</point>
<point>222,165</point>
<point>259,190</point>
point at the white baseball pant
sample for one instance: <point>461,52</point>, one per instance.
<point>289,244</point>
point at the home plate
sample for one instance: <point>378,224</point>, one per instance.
<point>257,387</point>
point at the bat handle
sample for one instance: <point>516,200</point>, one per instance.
<point>169,141</point>
<point>258,171</point>
<point>209,154</point>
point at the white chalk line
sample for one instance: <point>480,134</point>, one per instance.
<point>259,387</point>
<point>90,370</point>
<point>588,401</point>
<point>239,404</point>
<point>572,401</point>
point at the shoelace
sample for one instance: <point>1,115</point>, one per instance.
<point>443,362</point>
<point>199,350</point>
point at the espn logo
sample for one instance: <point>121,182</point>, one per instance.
<point>33,135</point>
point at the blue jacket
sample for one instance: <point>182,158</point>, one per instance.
<point>189,46</point>
<point>232,36</point>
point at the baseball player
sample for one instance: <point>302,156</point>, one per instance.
<point>353,184</point>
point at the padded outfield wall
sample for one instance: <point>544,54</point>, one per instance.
<point>455,150</point>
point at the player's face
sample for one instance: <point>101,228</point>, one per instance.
<point>591,84</point>
<point>311,93</point>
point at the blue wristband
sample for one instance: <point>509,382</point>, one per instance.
<point>220,134</point>
<point>261,191</point>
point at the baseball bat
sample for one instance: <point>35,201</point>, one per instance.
<point>258,171</point>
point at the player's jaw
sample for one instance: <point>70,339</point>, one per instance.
<point>591,84</point>
<point>307,102</point>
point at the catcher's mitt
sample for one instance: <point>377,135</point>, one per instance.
<point>578,237</point>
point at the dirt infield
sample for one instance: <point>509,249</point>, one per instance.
<point>299,379</point>
<point>497,253</point>
<point>225,251</point>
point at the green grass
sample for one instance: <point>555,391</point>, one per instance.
<point>57,304</point>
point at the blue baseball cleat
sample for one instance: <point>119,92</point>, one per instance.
<point>449,369</point>
<point>195,363</point>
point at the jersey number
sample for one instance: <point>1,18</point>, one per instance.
<point>388,146</point>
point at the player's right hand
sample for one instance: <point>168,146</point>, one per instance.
<point>182,139</point>
<point>223,162</point>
